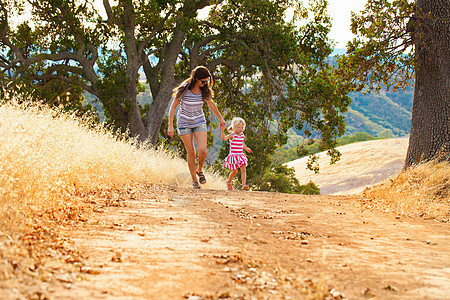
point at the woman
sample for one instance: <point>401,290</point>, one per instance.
<point>191,121</point>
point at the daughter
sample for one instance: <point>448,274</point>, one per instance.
<point>236,158</point>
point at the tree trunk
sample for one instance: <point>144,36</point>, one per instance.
<point>161,100</point>
<point>430,134</point>
<point>156,112</point>
<point>136,124</point>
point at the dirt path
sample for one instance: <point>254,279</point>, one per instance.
<point>168,243</point>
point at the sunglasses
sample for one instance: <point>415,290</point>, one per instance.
<point>203,81</point>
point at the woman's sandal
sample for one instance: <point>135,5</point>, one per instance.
<point>229,186</point>
<point>195,185</point>
<point>245,187</point>
<point>201,177</point>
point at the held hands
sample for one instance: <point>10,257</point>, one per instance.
<point>222,124</point>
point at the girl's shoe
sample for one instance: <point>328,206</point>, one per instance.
<point>229,186</point>
<point>245,187</point>
<point>195,185</point>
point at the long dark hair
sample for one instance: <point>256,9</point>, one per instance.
<point>199,73</point>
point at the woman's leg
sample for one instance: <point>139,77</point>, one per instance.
<point>201,138</point>
<point>188,142</point>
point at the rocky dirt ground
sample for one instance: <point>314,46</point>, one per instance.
<point>173,243</point>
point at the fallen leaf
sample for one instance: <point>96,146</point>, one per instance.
<point>89,270</point>
<point>390,288</point>
<point>117,257</point>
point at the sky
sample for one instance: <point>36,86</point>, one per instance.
<point>340,10</point>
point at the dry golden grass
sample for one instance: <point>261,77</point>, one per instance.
<point>362,164</point>
<point>47,157</point>
<point>423,190</point>
<point>52,163</point>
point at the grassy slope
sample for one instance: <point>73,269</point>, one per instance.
<point>371,170</point>
<point>361,164</point>
<point>47,158</point>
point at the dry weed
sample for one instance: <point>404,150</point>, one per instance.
<point>51,166</point>
<point>47,157</point>
<point>422,190</point>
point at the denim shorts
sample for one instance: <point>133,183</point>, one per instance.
<point>183,131</point>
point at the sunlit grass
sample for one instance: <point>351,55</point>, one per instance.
<point>422,190</point>
<point>46,157</point>
<point>53,163</point>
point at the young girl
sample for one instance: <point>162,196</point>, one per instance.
<point>236,158</point>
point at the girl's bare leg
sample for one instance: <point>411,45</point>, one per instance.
<point>244,175</point>
<point>232,174</point>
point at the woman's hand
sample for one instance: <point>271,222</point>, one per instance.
<point>222,124</point>
<point>170,131</point>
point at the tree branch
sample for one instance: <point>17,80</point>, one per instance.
<point>109,12</point>
<point>154,32</point>
<point>221,61</point>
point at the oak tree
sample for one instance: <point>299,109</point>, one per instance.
<point>269,69</point>
<point>399,43</point>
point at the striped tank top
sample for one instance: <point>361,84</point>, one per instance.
<point>190,114</point>
<point>237,144</point>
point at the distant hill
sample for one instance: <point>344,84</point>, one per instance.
<point>362,164</point>
<point>383,114</point>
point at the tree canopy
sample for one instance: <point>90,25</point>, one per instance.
<point>268,69</point>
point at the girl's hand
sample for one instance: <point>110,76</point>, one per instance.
<point>248,150</point>
<point>170,131</point>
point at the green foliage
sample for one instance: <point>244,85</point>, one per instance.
<point>383,50</point>
<point>283,155</point>
<point>309,189</point>
<point>279,178</point>
<point>271,72</point>
<point>381,110</point>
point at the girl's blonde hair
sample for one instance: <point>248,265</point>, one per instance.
<point>235,122</point>
<point>199,73</point>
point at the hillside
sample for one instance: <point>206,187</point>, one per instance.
<point>380,114</point>
<point>362,164</point>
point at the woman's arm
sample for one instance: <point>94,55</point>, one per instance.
<point>170,130</point>
<point>215,110</point>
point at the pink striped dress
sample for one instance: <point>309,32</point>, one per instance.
<point>236,158</point>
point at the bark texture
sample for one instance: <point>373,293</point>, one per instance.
<point>430,134</point>
<point>155,114</point>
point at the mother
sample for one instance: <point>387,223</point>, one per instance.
<point>191,94</point>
